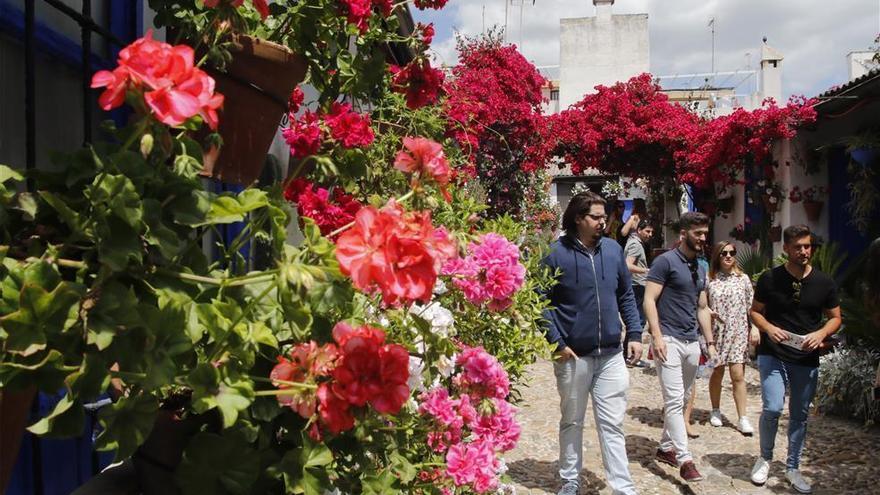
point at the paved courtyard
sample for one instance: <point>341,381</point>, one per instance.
<point>840,457</point>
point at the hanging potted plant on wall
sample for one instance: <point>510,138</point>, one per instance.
<point>811,198</point>
<point>259,52</point>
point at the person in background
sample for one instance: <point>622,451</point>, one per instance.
<point>730,298</point>
<point>796,307</point>
<point>615,220</point>
<point>675,306</point>
<point>584,323</point>
<point>637,262</point>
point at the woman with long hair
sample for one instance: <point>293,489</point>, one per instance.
<point>730,297</point>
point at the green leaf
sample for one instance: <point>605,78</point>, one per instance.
<point>91,379</point>
<point>214,464</point>
<point>46,371</point>
<point>40,313</point>
<point>67,214</point>
<point>192,210</point>
<point>118,245</point>
<point>401,467</point>
<point>158,234</point>
<point>7,173</point>
<point>117,193</point>
<point>127,423</point>
<point>228,209</point>
<point>380,484</point>
<point>228,396</point>
<point>28,205</point>
<point>67,419</point>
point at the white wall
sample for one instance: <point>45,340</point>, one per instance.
<point>600,50</point>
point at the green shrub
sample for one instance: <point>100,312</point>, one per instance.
<point>846,380</point>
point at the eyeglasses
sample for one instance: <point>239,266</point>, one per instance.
<point>728,253</point>
<point>796,294</point>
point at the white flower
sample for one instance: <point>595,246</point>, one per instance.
<point>442,322</point>
<point>768,191</point>
<point>440,288</point>
<point>773,199</point>
<point>446,365</point>
<point>502,466</point>
<point>416,367</point>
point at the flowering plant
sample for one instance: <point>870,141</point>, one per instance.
<point>746,233</point>
<point>810,194</point>
<point>768,191</point>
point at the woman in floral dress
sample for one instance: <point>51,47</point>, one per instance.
<point>730,297</point>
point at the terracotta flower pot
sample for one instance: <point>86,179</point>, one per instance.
<point>256,87</point>
<point>813,210</point>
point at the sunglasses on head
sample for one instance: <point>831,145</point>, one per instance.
<point>728,253</point>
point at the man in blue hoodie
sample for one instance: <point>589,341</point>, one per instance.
<point>593,289</point>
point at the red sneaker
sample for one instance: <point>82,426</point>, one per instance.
<point>689,472</point>
<point>667,457</point>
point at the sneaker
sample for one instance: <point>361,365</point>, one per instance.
<point>667,457</point>
<point>689,472</point>
<point>715,418</point>
<point>745,427</point>
<point>569,488</point>
<point>761,471</point>
<point>797,481</point>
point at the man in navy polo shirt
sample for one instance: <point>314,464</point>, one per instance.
<point>675,306</point>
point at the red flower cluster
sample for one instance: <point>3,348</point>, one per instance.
<point>629,128</point>
<point>809,194</point>
<point>426,31</point>
<point>426,157</point>
<point>359,369</point>
<point>724,146</point>
<point>296,99</point>
<point>396,252</point>
<point>328,213</point>
<point>494,109</point>
<point>306,135</point>
<point>350,129</point>
<point>174,89</point>
<point>262,6</point>
<point>430,4</point>
<point>358,12</point>
<point>421,83</point>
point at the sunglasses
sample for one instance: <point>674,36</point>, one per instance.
<point>728,253</point>
<point>796,294</point>
<point>694,274</point>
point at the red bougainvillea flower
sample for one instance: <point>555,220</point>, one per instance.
<point>370,371</point>
<point>421,83</point>
<point>430,4</point>
<point>303,135</point>
<point>427,32</point>
<point>358,12</point>
<point>349,128</point>
<point>384,6</point>
<point>426,157</point>
<point>296,100</point>
<point>174,89</point>
<point>396,252</point>
<point>328,213</point>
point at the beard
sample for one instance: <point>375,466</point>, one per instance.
<point>692,244</point>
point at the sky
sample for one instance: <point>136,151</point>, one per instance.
<point>814,36</point>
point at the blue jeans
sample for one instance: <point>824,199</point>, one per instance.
<point>801,381</point>
<point>639,291</point>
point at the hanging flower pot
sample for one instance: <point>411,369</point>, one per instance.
<point>813,209</point>
<point>256,87</point>
<point>774,234</point>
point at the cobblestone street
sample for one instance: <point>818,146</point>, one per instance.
<point>840,456</point>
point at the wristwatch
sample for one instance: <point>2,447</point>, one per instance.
<point>710,343</point>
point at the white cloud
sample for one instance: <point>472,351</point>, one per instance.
<point>814,36</point>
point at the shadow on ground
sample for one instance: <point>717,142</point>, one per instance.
<point>647,416</point>
<point>526,471</point>
<point>636,450</point>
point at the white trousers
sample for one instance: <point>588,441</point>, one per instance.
<point>605,378</point>
<point>677,375</point>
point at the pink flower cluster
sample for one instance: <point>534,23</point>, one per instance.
<point>426,157</point>
<point>490,273</point>
<point>475,424</point>
<point>173,88</point>
<point>307,134</point>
